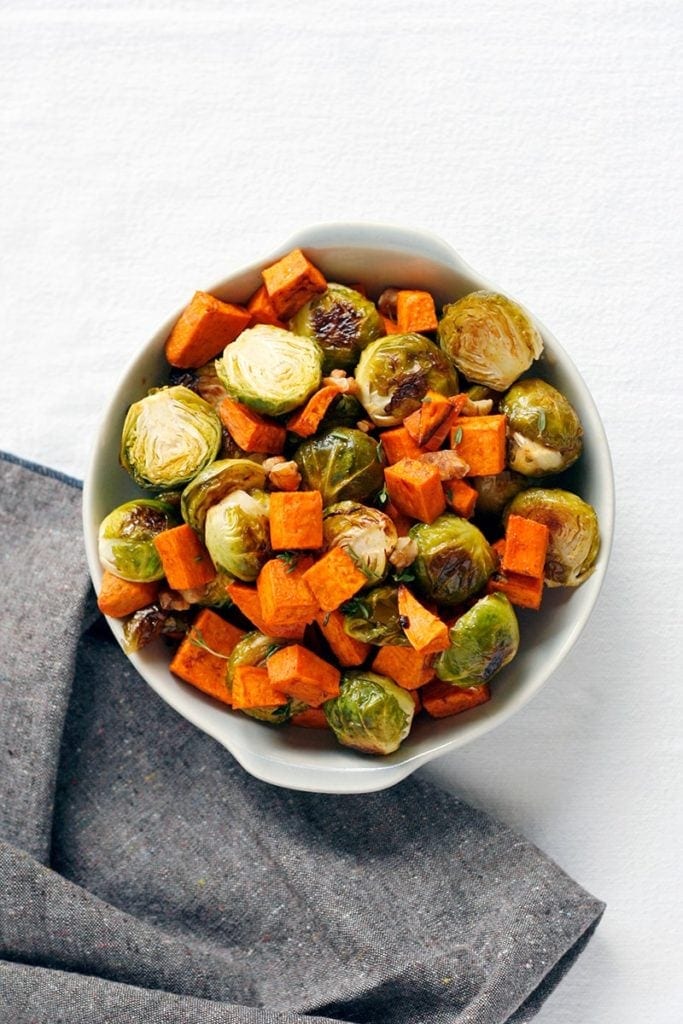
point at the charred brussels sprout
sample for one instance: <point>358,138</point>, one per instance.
<point>490,338</point>
<point>454,559</point>
<point>494,492</point>
<point>149,624</point>
<point>395,373</point>
<point>544,431</point>
<point>374,618</point>
<point>168,437</point>
<point>213,594</point>
<point>343,464</point>
<point>216,482</point>
<point>366,534</point>
<point>574,534</point>
<point>483,640</point>
<point>237,536</point>
<point>126,539</point>
<point>342,321</point>
<point>371,713</point>
<point>344,411</point>
<point>269,369</point>
<point>254,649</point>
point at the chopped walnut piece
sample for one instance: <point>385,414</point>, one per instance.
<point>480,407</point>
<point>272,462</point>
<point>345,385</point>
<point>449,464</point>
<point>404,554</point>
<point>172,601</point>
<point>285,476</point>
<point>365,425</point>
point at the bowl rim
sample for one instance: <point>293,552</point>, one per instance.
<point>361,774</point>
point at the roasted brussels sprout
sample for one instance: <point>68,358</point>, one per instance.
<point>342,321</point>
<point>269,369</point>
<point>490,338</point>
<point>126,539</point>
<point>395,373</point>
<point>544,431</point>
<point>344,411</point>
<point>216,482</point>
<point>236,534</point>
<point>168,437</point>
<point>254,649</point>
<point>494,492</point>
<point>366,534</point>
<point>574,533</point>
<point>371,713</point>
<point>482,640</point>
<point>342,463</point>
<point>211,595</point>
<point>454,559</point>
<point>148,624</point>
<point>374,618</point>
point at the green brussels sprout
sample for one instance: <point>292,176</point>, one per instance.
<point>395,373</point>
<point>148,624</point>
<point>342,321</point>
<point>483,640</point>
<point>269,369</point>
<point>213,594</point>
<point>215,483</point>
<point>343,464</point>
<point>168,437</point>
<point>366,534</point>
<point>454,559</point>
<point>490,338</point>
<point>374,618</point>
<point>344,411</point>
<point>126,539</point>
<point>254,649</point>
<point>371,713</point>
<point>237,534</point>
<point>574,539</point>
<point>495,491</point>
<point>544,431</point>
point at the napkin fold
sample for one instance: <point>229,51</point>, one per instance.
<point>145,876</point>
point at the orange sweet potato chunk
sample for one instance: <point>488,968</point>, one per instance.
<point>415,489</point>
<point>398,444</point>
<point>306,421</point>
<point>187,564</point>
<point>347,650</point>
<point>296,520</point>
<point>287,603</point>
<point>334,578</point>
<point>526,545</point>
<point>301,674</point>
<point>406,666</point>
<point>311,718</point>
<point>415,311</point>
<point>523,591</point>
<point>426,632</point>
<point>461,497</point>
<point>291,282</point>
<point>253,433</point>
<point>118,598</point>
<point>261,309</point>
<point>440,700</point>
<point>252,688</point>
<point>203,330</point>
<point>480,441</point>
<point>196,664</point>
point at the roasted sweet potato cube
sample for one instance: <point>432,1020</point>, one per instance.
<point>203,330</point>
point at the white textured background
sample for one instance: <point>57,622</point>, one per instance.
<point>148,149</point>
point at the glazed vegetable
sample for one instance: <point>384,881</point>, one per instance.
<point>490,338</point>
<point>461,498</point>
<point>480,441</point>
<point>303,676</point>
<point>574,538</point>
<point>526,544</point>
<point>440,700</point>
<point>236,534</point>
<point>287,604</point>
<point>395,373</point>
<point>291,282</point>
<point>270,370</point>
<point>366,534</point>
<point>398,444</point>
<point>306,421</point>
<point>201,659</point>
<point>371,713</point>
<point>426,633</point>
<point>334,578</point>
<point>253,693</point>
<point>373,617</point>
<point>482,641</point>
<point>428,426</point>
<point>185,560</point>
<point>415,311</point>
<point>119,598</point>
<point>544,432</point>
<point>262,310</point>
<point>253,652</point>
<point>126,539</point>
<point>296,521</point>
<point>342,321</point>
<point>415,489</point>
<point>343,464</point>
<point>168,437</point>
<point>253,433</point>
<point>203,330</point>
<point>214,484</point>
<point>347,650</point>
<point>454,559</point>
<point>406,666</point>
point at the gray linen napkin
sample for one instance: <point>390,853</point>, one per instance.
<point>145,876</point>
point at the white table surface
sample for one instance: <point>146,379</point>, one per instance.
<point>148,149</point>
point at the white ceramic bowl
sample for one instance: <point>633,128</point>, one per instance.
<point>307,759</point>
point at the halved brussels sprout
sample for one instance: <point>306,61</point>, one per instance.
<point>482,640</point>
<point>490,338</point>
<point>454,559</point>
<point>254,649</point>
<point>126,539</point>
<point>237,534</point>
<point>544,431</point>
<point>366,534</point>
<point>342,321</point>
<point>374,618</point>
<point>148,624</point>
<point>168,437</point>
<point>395,373</point>
<point>269,369</point>
<point>215,483</point>
<point>574,533</point>
<point>494,492</point>
<point>371,713</point>
<point>343,464</point>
